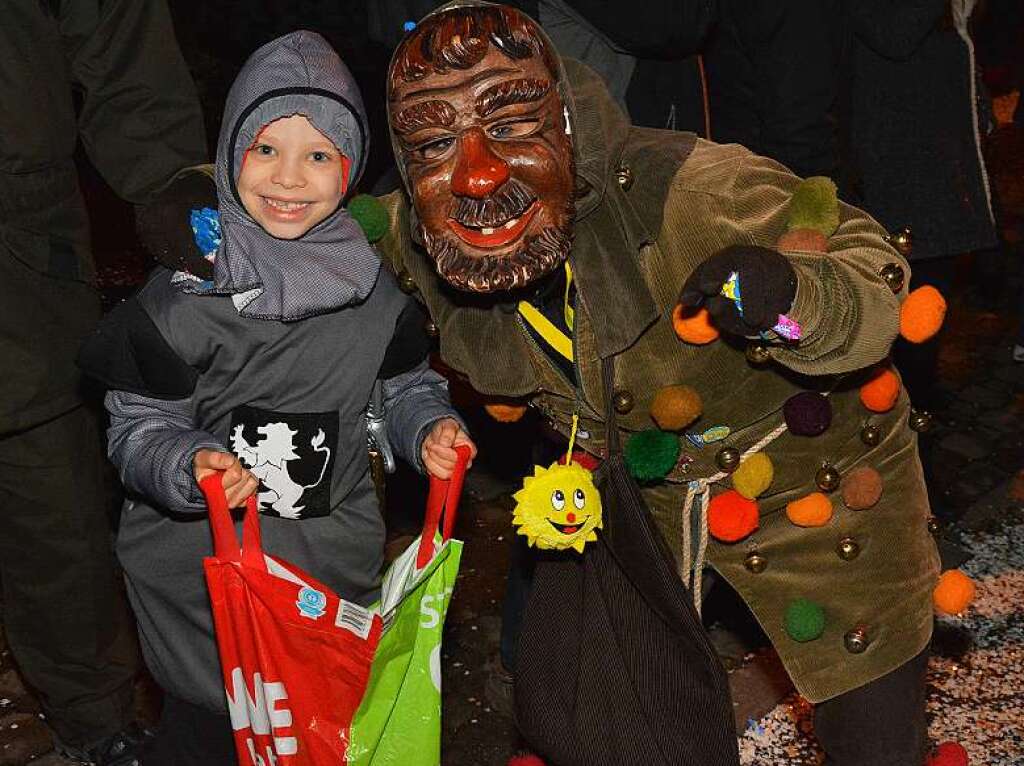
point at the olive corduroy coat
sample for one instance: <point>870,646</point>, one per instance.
<point>654,205</point>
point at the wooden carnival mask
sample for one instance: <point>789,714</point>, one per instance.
<point>481,134</point>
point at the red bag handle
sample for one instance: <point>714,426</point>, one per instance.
<point>225,541</point>
<point>443,498</point>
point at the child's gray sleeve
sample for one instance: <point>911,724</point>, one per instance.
<point>152,443</point>
<point>414,401</point>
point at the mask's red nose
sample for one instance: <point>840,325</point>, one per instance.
<point>479,172</point>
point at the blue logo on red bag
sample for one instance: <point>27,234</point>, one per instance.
<point>312,603</point>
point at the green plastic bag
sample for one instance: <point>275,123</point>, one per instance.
<point>398,722</point>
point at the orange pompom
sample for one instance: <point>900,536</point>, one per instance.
<point>814,510</point>
<point>921,314</point>
<point>808,240</point>
<point>881,392</point>
<point>693,326</point>
<point>954,592</point>
<point>505,413</point>
<point>731,517</point>
<point>675,407</point>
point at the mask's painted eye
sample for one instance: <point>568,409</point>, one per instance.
<point>514,129</point>
<point>558,500</point>
<point>434,149</point>
<point>579,499</point>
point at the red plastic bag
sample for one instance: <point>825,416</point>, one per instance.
<point>295,657</point>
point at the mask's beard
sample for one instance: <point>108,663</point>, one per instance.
<point>540,255</point>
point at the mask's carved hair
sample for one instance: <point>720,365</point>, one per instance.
<point>460,37</point>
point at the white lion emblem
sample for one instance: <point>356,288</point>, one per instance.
<point>268,460</point>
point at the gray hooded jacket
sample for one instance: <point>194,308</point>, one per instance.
<point>190,368</point>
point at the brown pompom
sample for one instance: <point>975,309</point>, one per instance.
<point>675,407</point>
<point>862,488</point>
<point>807,240</point>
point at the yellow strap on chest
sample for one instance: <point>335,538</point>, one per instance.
<point>570,313</point>
<point>544,327</point>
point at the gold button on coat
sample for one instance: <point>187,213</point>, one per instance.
<point>728,458</point>
<point>755,562</point>
<point>757,353</point>
<point>431,328</point>
<point>827,478</point>
<point>624,175</point>
<point>406,283</point>
<point>920,421</point>
<point>856,640</point>
<point>934,527</point>
<point>892,275</point>
<point>902,241</point>
<point>623,401</point>
<point>871,435</point>
<point>848,549</point>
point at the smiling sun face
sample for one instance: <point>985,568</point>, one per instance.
<point>558,507</point>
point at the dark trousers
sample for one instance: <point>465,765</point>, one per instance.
<point>879,724</point>
<point>189,735</point>
<point>64,613</point>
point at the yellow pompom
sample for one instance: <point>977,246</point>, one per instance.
<point>505,413</point>
<point>754,475</point>
<point>813,510</point>
<point>954,592</point>
<point>675,407</point>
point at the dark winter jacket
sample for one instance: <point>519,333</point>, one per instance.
<point>772,80</point>
<point>911,143</point>
<point>139,123</point>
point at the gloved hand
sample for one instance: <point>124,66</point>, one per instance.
<point>745,289</point>
<point>164,223</point>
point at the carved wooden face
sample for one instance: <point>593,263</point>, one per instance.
<point>490,169</point>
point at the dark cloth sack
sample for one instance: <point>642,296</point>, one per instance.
<point>614,665</point>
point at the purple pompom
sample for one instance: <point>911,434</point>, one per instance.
<point>807,413</point>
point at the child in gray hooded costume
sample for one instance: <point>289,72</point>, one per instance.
<point>274,359</point>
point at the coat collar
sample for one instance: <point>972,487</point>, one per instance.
<point>609,234</point>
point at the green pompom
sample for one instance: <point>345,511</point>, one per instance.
<point>651,454</point>
<point>814,206</point>
<point>805,620</point>
<point>370,214</point>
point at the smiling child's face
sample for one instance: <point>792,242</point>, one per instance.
<point>292,177</point>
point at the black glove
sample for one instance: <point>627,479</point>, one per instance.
<point>767,284</point>
<point>165,228</point>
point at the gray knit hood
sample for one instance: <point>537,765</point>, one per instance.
<point>330,266</point>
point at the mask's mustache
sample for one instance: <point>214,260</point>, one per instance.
<point>510,201</point>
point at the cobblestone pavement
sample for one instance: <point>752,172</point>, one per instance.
<point>977,448</point>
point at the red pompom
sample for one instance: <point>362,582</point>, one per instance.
<point>583,459</point>
<point>731,517</point>
<point>525,760</point>
<point>949,754</point>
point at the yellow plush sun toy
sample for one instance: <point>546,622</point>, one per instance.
<point>558,507</point>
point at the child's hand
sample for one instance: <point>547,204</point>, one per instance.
<point>238,483</point>
<point>438,450</point>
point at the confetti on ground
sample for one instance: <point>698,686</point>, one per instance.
<point>975,677</point>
